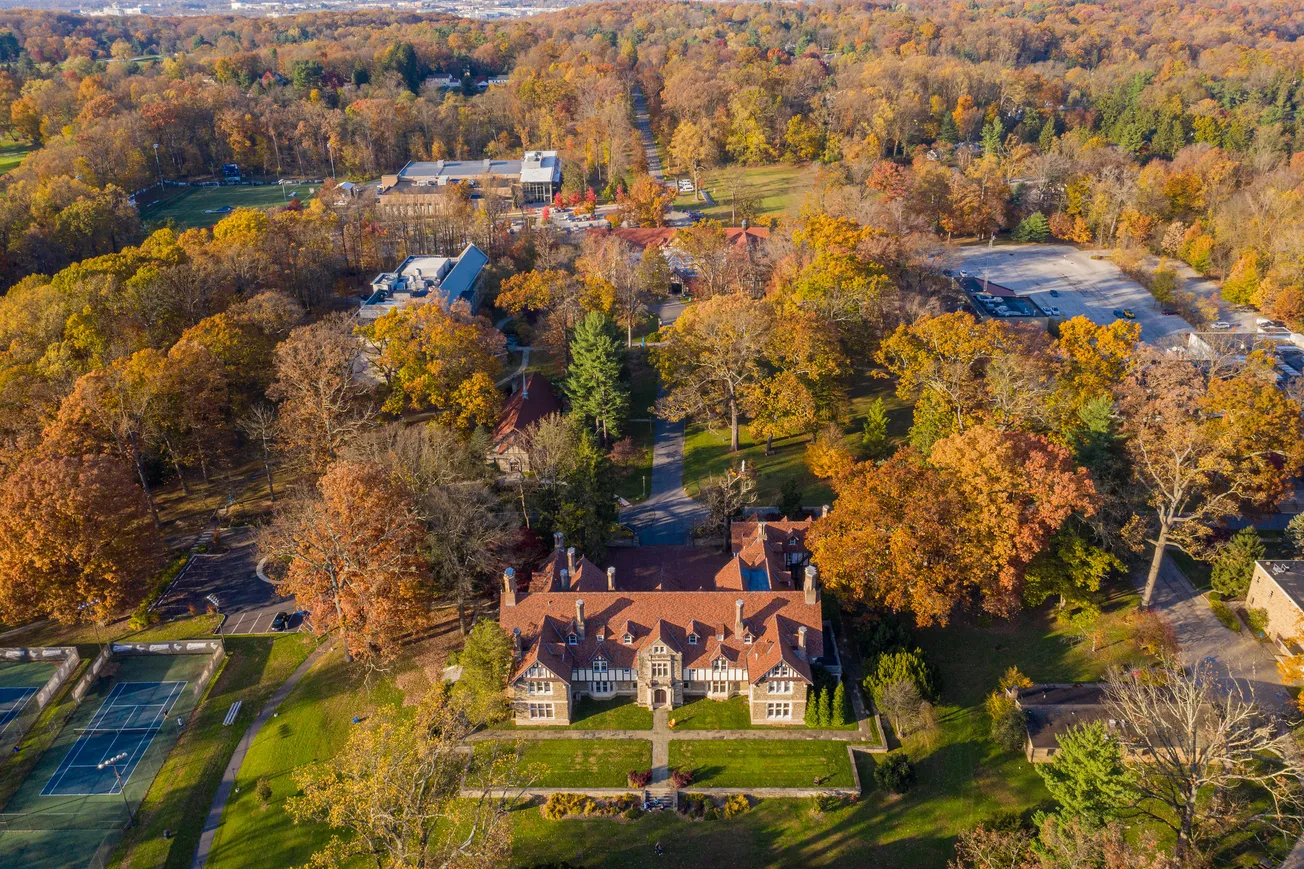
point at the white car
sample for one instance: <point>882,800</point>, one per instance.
<point>1220,326</point>
<point>1054,311</point>
<point>685,185</point>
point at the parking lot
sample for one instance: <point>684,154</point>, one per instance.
<point>1087,287</point>
<point>229,575</point>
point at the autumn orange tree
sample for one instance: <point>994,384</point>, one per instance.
<point>353,548</point>
<point>1204,444</point>
<point>76,538</point>
<point>928,535</point>
<point>645,203</point>
<point>443,359</point>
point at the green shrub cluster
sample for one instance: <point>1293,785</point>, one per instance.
<point>895,772</point>
<point>143,616</point>
<point>736,804</point>
<point>1224,614</point>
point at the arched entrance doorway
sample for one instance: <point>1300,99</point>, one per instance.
<point>659,697</point>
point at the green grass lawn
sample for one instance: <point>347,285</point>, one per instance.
<point>11,154</point>
<point>187,205</point>
<point>778,188</point>
<point>706,453</point>
<point>577,763</point>
<point>618,713</point>
<point>1199,572</point>
<point>759,763</point>
<point>732,714</point>
<point>312,725</point>
<point>184,788</point>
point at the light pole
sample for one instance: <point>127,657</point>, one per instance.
<point>158,166</point>
<point>112,763</point>
<point>331,153</point>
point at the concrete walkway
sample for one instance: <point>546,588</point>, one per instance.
<point>520,369</point>
<point>661,732</point>
<point>224,790</point>
<point>1236,657</point>
<point>660,747</point>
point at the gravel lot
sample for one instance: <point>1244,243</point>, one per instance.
<point>1095,288</point>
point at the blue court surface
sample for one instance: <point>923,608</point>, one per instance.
<point>125,724</point>
<point>12,703</point>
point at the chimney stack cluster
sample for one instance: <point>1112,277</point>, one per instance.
<point>812,585</point>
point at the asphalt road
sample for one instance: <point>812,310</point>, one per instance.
<point>1092,288</point>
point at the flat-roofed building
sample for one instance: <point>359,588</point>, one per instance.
<point>533,179</point>
<point>420,279</point>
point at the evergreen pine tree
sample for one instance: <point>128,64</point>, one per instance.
<point>838,713</point>
<point>588,510</point>
<point>874,440</point>
<point>593,384</point>
<point>993,136</point>
<point>946,131</point>
<point>1234,567</point>
<point>1046,141</point>
<point>822,708</point>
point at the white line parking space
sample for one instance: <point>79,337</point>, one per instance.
<point>1093,288</point>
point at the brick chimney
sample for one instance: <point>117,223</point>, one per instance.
<point>801,642</point>
<point>516,644</point>
<point>509,587</point>
<point>738,617</point>
<point>824,510</point>
<point>564,580</point>
<point>611,579</point>
<point>579,618</point>
<point>558,541</point>
<point>570,560</point>
<point>812,585</point>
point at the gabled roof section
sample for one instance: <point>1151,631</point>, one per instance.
<point>535,400</point>
<point>461,280</point>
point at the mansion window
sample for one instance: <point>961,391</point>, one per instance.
<point>539,687</point>
<point>603,687</point>
<point>599,666</point>
<point>658,650</point>
<point>783,687</point>
<point>572,640</point>
<point>660,669</point>
<point>541,710</point>
<point>747,639</point>
<point>628,639</point>
<point>692,639</point>
<point>719,687</point>
<point>719,664</point>
<point>778,710</point>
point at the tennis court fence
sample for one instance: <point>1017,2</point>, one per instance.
<point>102,819</point>
<point>69,661</point>
<point>215,649</point>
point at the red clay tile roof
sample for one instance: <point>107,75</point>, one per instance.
<point>771,617</point>
<point>525,407</point>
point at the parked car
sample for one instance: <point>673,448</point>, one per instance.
<point>1054,311</point>
<point>1118,312</point>
<point>1220,326</point>
<point>281,621</point>
<point>1168,312</point>
<point>1054,294</point>
<point>1127,312</point>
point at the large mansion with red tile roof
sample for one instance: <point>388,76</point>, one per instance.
<point>665,624</point>
<point>534,400</point>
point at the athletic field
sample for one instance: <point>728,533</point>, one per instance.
<point>203,206</point>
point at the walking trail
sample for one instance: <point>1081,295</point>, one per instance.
<point>224,790</point>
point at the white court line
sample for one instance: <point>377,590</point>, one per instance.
<point>16,713</point>
<point>142,745</point>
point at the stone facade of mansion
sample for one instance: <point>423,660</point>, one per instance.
<point>667,624</point>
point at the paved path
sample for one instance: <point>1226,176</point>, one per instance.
<point>1235,656</point>
<point>668,515</point>
<point>660,746</point>
<point>525,360</point>
<point>661,732</point>
<point>643,121</point>
<point>223,794</point>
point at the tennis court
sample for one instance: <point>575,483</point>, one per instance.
<point>103,758</point>
<point>19,682</point>
<point>67,810</point>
